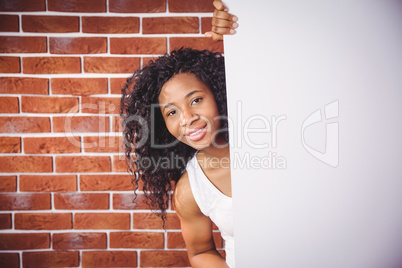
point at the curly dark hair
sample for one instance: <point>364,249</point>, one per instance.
<point>146,137</point>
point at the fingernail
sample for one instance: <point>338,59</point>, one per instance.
<point>226,10</point>
<point>234,25</point>
<point>208,34</point>
<point>232,31</point>
<point>234,18</point>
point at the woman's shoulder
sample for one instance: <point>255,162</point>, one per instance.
<point>183,197</point>
<point>182,184</point>
<point>182,192</point>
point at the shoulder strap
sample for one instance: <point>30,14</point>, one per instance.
<point>197,186</point>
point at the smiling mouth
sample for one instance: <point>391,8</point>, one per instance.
<point>196,132</point>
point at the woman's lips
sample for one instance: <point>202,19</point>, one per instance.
<point>196,134</point>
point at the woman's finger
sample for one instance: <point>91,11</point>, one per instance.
<point>214,36</point>
<point>219,5</point>
<point>223,15</point>
<point>224,23</point>
<point>222,31</point>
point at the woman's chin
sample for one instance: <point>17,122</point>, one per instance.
<point>199,144</point>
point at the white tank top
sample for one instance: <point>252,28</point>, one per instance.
<point>214,204</point>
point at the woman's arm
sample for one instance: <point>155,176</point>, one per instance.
<point>222,23</point>
<point>196,228</point>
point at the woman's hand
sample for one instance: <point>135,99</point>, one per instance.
<point>222,23</point>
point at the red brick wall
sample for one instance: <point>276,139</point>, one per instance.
<point>65,195</point>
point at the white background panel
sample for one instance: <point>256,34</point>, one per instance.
<point>337,201</point>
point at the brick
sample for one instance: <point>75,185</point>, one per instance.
<point>50,24</point>
<point>48,183</point>
<point>116,124</point>
<point>10,260</point>
<point>109,182</point>
<point>8,183</point>
<point>50,259</point>
<point>77,6</point>
<point>164,258</point>
<point>77,45</point>
<point>79,241</point>
<point>51,65</point>
<point>206,24</point>
<point>111,64</point>
<point>23,5</point>
<point>137,6</point>
<point>175,240</point>
<point>119,163</point>
<point>199,43</point>
<point>81,164</point>
<point>52,145</point>
<point>170,25</point>
<point>100,144</point>
<point>147,60</point>
<point>153,221</point>
<point>24,124</point>
<point>126,201</point>
<point>23,44</point>
<point>10,64</point>
<point>100,105</point>
<point>109,259</point>
<point>138,45</point>
<point>150,240</point>
<point>75,201</point>
<point>24,85</point>
<point>24,201</point>
<point>21,164</point>
<point>79,86</point>
<point>9,23</point>
<point>42,221</point>
<point>81,124</point>
<point>5,221</point>
<point>49,104</point>
<point>24,241</point>
<point>9,105</point>
<point>116,221</point>
<point>10,145</point>
<point>111,25</point>
<point>116,84</point>
<point>181,6</point>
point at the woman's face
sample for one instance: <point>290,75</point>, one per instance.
<point>190,111</point>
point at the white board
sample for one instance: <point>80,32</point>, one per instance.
<point>315,107</point>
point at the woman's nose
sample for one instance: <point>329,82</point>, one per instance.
<point>185,117</point>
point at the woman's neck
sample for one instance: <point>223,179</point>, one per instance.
<point>216,156</point>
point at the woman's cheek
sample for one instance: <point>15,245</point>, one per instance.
<point>172,128</point>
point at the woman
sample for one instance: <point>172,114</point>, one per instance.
<point>175,130</point>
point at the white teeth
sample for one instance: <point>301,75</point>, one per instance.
<point>194,133</point>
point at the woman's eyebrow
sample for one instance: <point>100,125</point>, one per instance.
<point>167,106</point>
<point>192,93</point>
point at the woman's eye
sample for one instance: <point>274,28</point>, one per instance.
<point>197,100</point>
<point>171,113</point>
